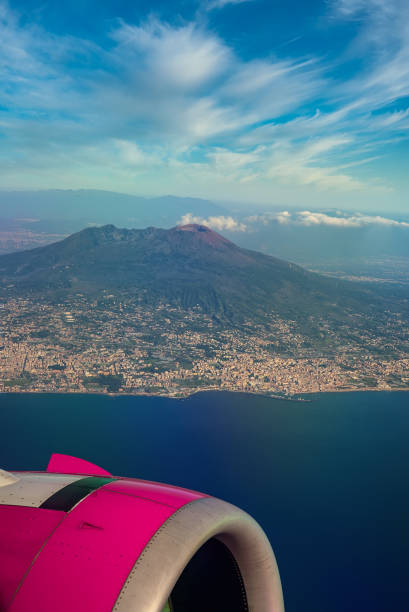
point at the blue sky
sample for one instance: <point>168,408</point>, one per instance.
<point>295,104</point>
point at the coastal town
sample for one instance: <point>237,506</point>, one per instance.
<point>110,346</point>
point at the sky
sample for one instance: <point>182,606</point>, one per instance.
<point>274,104</point>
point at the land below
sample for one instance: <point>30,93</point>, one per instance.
<point>115,347</point>
<point>173,312</point>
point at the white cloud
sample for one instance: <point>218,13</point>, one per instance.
<point>283,217</point>
<point>309,163</point>
<point>339,219</point>
<point>133,155</point>
<point>218,4</point>
<point>219,223</point>
<point>183,58</point>
<point>225,159</point>
<point>377,9</point>
<point>307,217</point>
<point>130,152</point>
<point>260,86</point>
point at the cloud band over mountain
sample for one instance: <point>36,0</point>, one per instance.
<point>309,218</point>
<point>218,223</point>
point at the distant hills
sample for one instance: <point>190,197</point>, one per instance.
<point>187,267</point>
<point>66,210</point>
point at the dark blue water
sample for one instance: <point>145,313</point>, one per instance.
<point>328,479</point>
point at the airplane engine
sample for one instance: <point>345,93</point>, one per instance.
<point>77,539</point>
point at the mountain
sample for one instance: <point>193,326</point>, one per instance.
<point>189,267</point>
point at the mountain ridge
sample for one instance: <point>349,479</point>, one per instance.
<point>76,208</point>
<point>186,266</point>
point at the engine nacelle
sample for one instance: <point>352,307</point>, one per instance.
<point>77,539</point>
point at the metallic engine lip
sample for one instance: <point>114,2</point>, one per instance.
<point>158,567</point>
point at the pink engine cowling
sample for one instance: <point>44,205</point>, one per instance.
<point>76,538</point>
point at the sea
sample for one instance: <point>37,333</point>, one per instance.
<point>327,479</point>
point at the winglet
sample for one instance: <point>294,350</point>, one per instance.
<point>65,464</point>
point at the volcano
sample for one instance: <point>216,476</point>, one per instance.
<point>188,266</point>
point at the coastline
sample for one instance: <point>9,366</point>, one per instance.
<point>304,396</point>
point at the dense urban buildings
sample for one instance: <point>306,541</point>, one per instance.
<point>109,346</point>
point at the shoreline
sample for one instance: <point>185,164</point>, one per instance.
<point>299,397</point>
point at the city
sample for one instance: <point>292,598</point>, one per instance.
<point>120,347</point>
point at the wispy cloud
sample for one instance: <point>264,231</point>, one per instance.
<point>384,38</point>
<point>181,84</point>
<point>218,4</point>
<point>164,104</point>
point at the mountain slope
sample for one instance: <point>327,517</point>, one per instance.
<point>186,266</point>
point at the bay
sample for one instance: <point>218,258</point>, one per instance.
<point>328,479</point>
